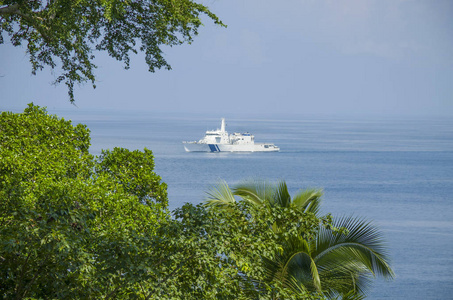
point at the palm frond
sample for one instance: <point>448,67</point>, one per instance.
<point>220,196</point>
<point>341,278</point>
<point>256,192</point>
<point>294,266</point>
<point>361,248</point>
<point>308,200</point>
<point>300,264</point>
<point>351,295</point>
<point>281,197</point>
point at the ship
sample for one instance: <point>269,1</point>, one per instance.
<point>220,141</point>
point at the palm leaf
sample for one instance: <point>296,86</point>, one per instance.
<point>255,192</point>
<point>363,245</point>
<point>346,261</point>
<point>220,196</point>
<point>294,266</point>
<point>308,200</point>
<point>281,197</point>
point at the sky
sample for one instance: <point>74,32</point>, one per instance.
<point>351,57</point>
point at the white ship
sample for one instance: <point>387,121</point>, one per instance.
<point>219,141</point>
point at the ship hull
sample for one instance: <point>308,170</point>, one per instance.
<point>200,147</point>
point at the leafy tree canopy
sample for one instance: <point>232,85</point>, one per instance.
<point>72,226</point>
<point>64,33</point>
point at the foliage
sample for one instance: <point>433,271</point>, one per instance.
<point>70,228</point>
<point>335,258</point>
<point>221,251</point>
<point>64,33</point>
<point>73,226</point>
<point>282,222</point>
<point>133,171</point>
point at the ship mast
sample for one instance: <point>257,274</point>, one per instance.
<point>222,128</point>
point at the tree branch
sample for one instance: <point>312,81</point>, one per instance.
<point>10,9</point>
<point>34,19</point>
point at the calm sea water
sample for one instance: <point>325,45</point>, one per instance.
<point>396,172</point>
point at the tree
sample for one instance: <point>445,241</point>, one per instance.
<point>64,33</point>
<point>72,226</point>
<point>336,260</point>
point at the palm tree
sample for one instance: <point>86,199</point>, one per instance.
<point>337,265</point>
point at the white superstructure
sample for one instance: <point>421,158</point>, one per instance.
<point>219,141</point>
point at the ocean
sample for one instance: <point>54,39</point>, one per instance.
<point>397,172</point>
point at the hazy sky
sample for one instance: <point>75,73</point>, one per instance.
<point>298,56</point>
